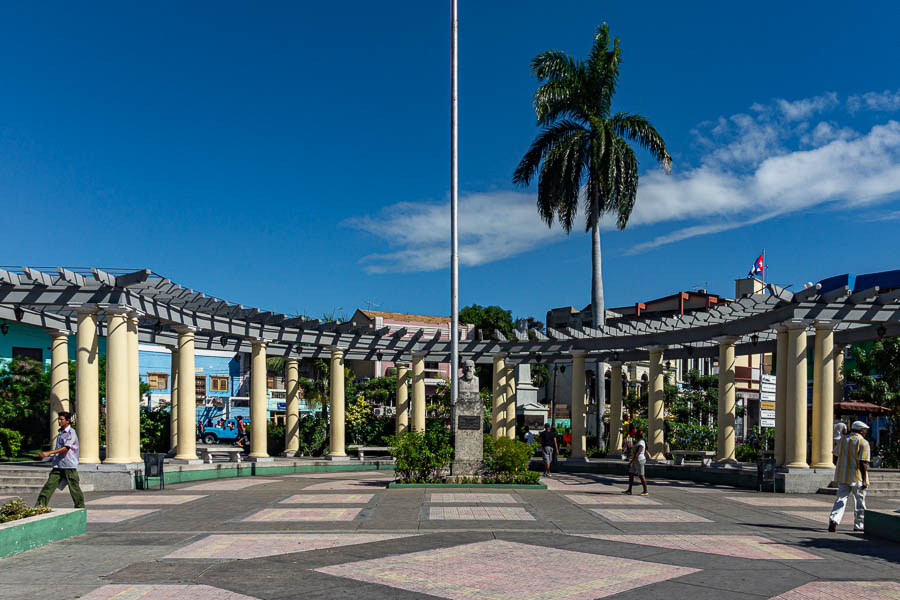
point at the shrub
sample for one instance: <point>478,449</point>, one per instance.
<point>421,457</point>
<point>506,456</point>
<point>16,509</point>
<point>746,453</point>
<point>521,478</point>
<point>275,439</point>
<point>155,426</point>
<point>690,436</point>
<point>312,435</point>
<point>10,442</point>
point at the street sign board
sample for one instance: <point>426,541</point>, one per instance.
<point>767,414</point>
<point>767,405</point>
<point>767,422</point>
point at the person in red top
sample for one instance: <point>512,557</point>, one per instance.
<point>567,438</point>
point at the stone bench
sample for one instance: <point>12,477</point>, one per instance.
<point>361,450</point>
<point>706,456</point>
<point>233,454</point>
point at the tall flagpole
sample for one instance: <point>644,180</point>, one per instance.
<point>454,217</point>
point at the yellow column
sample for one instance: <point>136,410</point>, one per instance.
<point>823,396</point>
<point>59,379</point>
<point>510,402</point>
<point>87,387</point>
<point>292,408</point>
<point>795,433</point>
<point>725,428</point>
<point>578,406</point>
<point>615,409</point>
<point>418,365</point>
<point>336,447</point>
<point>839,373</point>
<point>498,401</point>
<point>781,383</point>
<point>187,397</point>
<point>656,443</point>
<point>117,448</point>
<point>259,401</point>
<point>134,391</point>
<point>402,423</point>
<point>173,401</point>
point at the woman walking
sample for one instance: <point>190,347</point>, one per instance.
<point>638,460</point>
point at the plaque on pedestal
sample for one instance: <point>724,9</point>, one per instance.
<point>468,443</point>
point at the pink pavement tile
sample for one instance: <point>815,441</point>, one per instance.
<point>328,499</point>
<point>274,515</point>
<point>704,490</point>
<point>237,483</point>
<point>117,515</point>
<point>501,570</point>
<point>649,515</point>
<point>143,498</point>
<point>472,497</point>
<point>577,484</point>
<point>620,499</point>
<point>154,591</point>
<point>820,517</point>
<point>244,546</point>
<point>843,590</point>
<point>778,500</point>
<point>739,546</point>
<point>478,513</point>
<point>356,486</point>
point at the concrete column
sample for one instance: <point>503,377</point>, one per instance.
<point>781,383</point>
<point>292,407</point>
<point>656,443</point>
<point>498,401</point>
<point>725,429</point>
<point>173,401</point>
<point>578,406</point>
<point>59,380</point>
<point>87,387</point>
<point>336,407</point>
<point>510,402</point>
<point>418,407</point>
<point>134,391</point>
<point>615,409</point>
<point>117,371</point>
<point>187,397</point>
<point>402,425</point>
<point>259,401</point>
<point>795,433</point>
<point>823,396</point>
<point>839,373</point>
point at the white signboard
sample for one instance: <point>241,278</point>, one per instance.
<point>767,414</point>
<point>767,422</point>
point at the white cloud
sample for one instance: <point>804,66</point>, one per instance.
<point>800,110</point>
<point>886,101</point>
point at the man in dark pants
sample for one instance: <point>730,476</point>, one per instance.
<point>65,463</point>
<point>548,447</point>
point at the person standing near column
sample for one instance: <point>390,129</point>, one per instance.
<point>852,476</point>
<point>65,463</point>
<point>638,462</point>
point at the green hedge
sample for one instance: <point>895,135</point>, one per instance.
<point>10,442</point>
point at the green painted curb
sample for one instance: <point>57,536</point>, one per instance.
<point>249,469</point>
<point>25,534</point>
<point>508,486</point>
<point>884,524</point>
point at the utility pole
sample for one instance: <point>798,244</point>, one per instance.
<point>454,217</point>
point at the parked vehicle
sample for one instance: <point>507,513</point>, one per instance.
<point>227,432</point>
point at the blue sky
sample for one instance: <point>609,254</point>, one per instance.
<point>294,156</point>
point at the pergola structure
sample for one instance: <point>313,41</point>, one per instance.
<point>132,306</point>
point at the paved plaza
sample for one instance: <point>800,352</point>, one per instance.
<point>336,535</point>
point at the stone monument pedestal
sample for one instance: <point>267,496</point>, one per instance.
<point>469,443</point>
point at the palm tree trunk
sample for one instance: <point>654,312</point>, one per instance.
<point>598,310</point>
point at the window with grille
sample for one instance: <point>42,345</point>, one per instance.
<point>158,381</point>
<point>200,386</point>
<point>218,384</point>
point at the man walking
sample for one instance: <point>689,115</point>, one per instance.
<point>548,447</point>
<point>65,463</point>
<point>638,460</point>
<point>852,476</point>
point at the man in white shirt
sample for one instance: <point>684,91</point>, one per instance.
<point>636,466</point>
<point>852,476</point>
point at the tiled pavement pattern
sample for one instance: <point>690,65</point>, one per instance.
<point>139,498</point>
<point>328,499</point>
<point>614,499</point>
<point>649,515</point>
<point>739,546</point>
<point>356,486</point>
<point>268,515</point>
<point>163,592</point>
<point>388,475</point>
<point>501,569</point>
<point>237,483</point>
<point>822,516</point>
<point>244,546</point>
<point>260,558</point>
<point>844,590</point>
<point>779,500</point>
<point>472,497</point>
<point>117,515</point>
<point>478,513</point>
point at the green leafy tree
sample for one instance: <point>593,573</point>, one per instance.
<point>25,400</point>
<point>488,319</point>
<point>698,399</point>
<point>876,378</point>
<point>583,141</point>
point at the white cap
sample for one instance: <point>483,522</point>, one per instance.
<point>858,426</point>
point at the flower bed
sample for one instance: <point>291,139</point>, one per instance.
<point>27,532</point>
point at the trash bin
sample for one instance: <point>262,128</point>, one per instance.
<point>153,467</point>
<point>765,473</point>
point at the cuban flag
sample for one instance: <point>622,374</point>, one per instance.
<point>758,266</point>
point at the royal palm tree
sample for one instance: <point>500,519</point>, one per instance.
<point>584,142</point>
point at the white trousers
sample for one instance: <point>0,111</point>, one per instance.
<point>859,504</point>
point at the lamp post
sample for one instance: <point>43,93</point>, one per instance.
<point>454,218</point>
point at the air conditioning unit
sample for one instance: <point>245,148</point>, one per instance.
<point>378,411</point>
<point>390,411</point>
